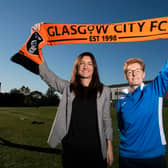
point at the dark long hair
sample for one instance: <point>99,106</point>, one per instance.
<point>95,84</point>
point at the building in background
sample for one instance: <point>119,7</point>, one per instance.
<point>118,88</point>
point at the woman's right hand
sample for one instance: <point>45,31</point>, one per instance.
<point>36,27</point>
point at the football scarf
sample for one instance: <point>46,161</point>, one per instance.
<point>30,55</point>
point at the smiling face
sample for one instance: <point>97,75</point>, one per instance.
<point>85,67</point>
<point>134,74</point>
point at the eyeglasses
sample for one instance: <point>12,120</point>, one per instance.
<point>134,72</point>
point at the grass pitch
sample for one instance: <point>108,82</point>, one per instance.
<point>24,132</point>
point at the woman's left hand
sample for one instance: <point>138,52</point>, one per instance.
<point>110,156</point>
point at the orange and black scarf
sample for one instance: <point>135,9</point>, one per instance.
<point>30,55</point>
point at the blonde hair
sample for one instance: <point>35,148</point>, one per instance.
<point>132,61</point>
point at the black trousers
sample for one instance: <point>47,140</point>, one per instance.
<point>71,159</point>
<point>158,162</point>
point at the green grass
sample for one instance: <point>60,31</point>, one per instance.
<point>23,144</point>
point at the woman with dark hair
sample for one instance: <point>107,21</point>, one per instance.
<point>83,122</point>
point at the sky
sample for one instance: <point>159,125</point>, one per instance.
<point>17,18</point>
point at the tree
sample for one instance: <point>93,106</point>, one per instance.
<point>25,90</point>
<point>37,98</point>
<point>12,91</point>
<point>16,98</point>
<point>52,97</point>
<point>50,92</point>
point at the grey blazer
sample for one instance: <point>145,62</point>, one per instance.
<point>62,119</point>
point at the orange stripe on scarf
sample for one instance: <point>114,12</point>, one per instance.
<point>54,34</point>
